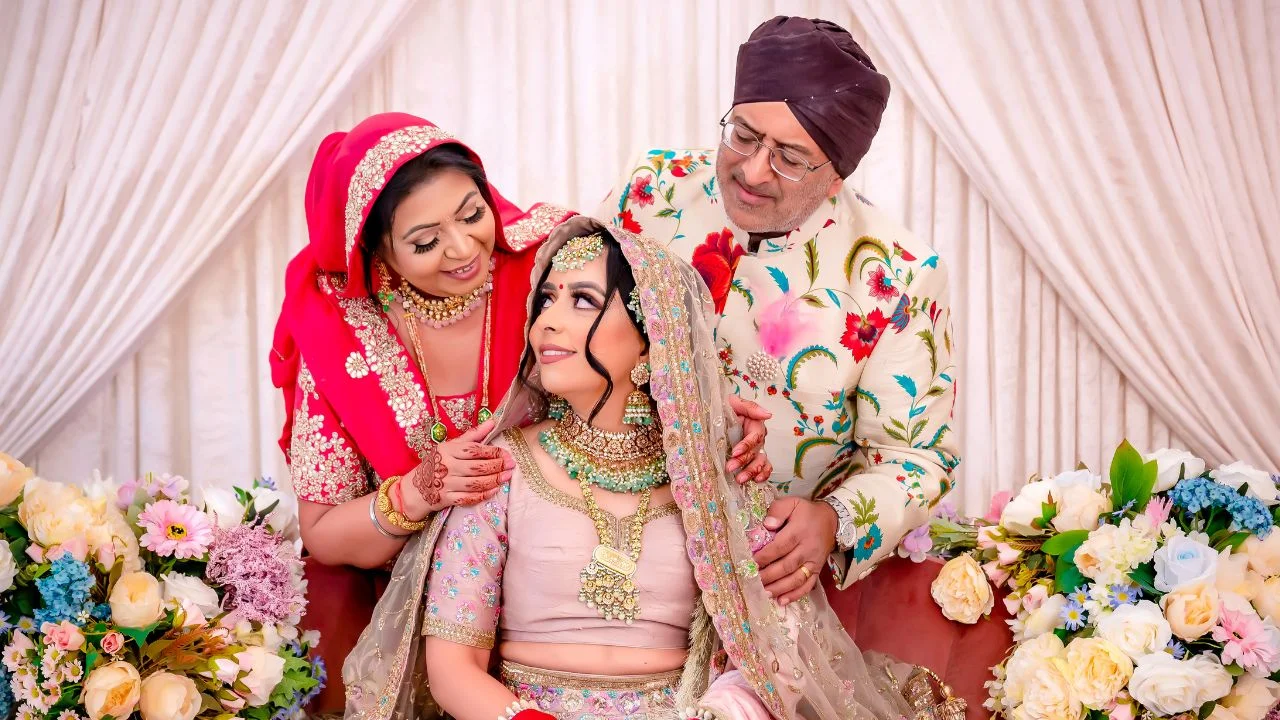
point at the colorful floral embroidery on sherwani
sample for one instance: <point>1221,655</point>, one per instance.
<point>841,329</point>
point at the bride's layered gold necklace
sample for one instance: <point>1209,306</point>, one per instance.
<point>631,462</point>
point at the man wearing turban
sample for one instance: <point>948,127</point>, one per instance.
<point>833,317</point>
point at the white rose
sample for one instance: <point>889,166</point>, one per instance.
<point>1183,561</point>
<point>166,696</point>
<point>1027,658</point>
<point>962,591</point>
<point>13,477</point>
<point>1078,507</point>
<point>1098,670</point>
<point>1169,467</point>
<point>1260,483</point>
<point>188,591</point>
<point>1264,555</point>
<point>136,600</point>
<point>1267,600</point>
<point>222,505</point>
<point>1138,629</point>
<point>1168,686</point>
<point>112,689</point>
<point>1251,698</point>
<point>1025,508</point>
<point>1077,478</point>
<point>8,568</point>
<point>284,518</point>
<point>1048,696</point>
<point>265,671</point>
<point>1046,618</point>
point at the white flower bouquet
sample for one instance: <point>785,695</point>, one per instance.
<point>137,600</point>
<point>1153,593</point>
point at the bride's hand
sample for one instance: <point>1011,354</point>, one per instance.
<point>461,471</point>
<point>746,454</point>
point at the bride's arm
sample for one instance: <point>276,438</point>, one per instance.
<point>460,681</point>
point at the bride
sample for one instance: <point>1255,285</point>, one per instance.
<point>612,576</point>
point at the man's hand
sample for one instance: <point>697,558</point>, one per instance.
<point>746,454</point>
<point>806,536</point>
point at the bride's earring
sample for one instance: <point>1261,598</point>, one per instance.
<point>639,411</point>
<point>557,408</point>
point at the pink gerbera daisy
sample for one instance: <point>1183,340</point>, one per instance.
<point>172,529</point>
<point>1245,639</point>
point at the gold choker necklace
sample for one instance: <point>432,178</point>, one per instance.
<point>441,312</point>
<point>627,462</point>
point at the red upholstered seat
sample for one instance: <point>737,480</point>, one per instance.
<point>890,611</point>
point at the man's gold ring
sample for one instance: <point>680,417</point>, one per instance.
<point>805,569</point>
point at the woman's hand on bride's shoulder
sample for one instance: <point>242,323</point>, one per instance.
<point>462,471</point>
<point>747,454</point>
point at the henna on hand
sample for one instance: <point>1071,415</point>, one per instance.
<point>429,480</point>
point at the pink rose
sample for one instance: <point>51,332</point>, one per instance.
<point>995,573</point>
<point>998,501</point>
<point>77,547</point>
<point>64,636</point>
<point>987,536</point>
<point>1007,555</point>
<point>112,642</point>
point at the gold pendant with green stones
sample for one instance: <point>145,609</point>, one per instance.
<point>439,432</point>
<point>484,415</point>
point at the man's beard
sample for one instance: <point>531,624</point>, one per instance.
<point>781,218</point>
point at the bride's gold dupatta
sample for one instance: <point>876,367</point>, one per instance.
<point>799,660</point>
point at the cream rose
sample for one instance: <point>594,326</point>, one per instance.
<point>1251,697</point>
<point>962,591</point>
<point>1168,686</point>
<point>1169,467</point>
<point>265,670</point>
<point>1025,508</point>
<point>1046,618</point>
<point>1238,474</point>
<point>1235,577</point>
<point>1078,508</point>
<point>8,567</point>
<point>166,696</point>
<point>1191,610</point>
<point>112,689</point>
<point>1098,670</point>
<point>13,477</point>
<point>1139,629</point>
<point>1264,555</point>
<point>54,513</point>
<point>1049,696</point>
<point>190,592</point>
<point>136,600</point>
<point>1027,658</point>
<point>1267,600</point>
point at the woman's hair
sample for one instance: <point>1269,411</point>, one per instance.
<point>619,282</point>
<point>377,227</point>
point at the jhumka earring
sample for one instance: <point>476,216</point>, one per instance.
<point>638,411</point>
<point>557,408</point>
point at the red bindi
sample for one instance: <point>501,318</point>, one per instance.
<point>561,286</point>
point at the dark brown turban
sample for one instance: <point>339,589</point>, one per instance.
<point>821,73</point>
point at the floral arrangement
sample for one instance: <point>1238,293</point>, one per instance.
<point>1153,593</point>
<point>135,599</point>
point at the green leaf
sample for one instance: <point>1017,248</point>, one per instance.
<point>1235,670</point>
<point>139,635</point>
<point>812,300</point>
<point>671,191</point>
<point>803,447</point>
<point>1145,576</point>
<point>1065,543</point>
<point>1230,540</point>
<point>1067,576</point>
<point>666,212</point>
<point>811,259</point>
<point>893,433</point>
<point>1132,480</point>
<point>1205,710</point>
<point>866,243</point>
<point>1048,511</point>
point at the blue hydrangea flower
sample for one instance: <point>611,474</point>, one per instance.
<point>65,592</point>
<point>6,693</point>
<point>1247,513</point>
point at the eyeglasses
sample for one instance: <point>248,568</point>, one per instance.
<point>785,163</point>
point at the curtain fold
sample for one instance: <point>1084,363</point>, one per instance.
<point>1133,155</point>
<point>147,132</point>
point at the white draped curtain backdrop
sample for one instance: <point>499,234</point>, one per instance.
<point>1110,272</point>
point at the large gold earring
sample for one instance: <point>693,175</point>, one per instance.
<point>639,410</point>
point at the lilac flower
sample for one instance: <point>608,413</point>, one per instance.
<point>256,570</point>
<point>917,544</point>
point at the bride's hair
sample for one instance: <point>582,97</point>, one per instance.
<point>619,282</point>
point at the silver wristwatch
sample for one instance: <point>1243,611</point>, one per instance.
<point>845,529</point>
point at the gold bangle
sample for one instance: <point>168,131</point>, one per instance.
<point>393,516</point>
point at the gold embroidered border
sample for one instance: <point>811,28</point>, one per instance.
<point>325,468</point>
<point>384,357</point>
<point>514,673</point>
<point>371,172</point>
<point>540,221</point>
<point>461,634</point>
